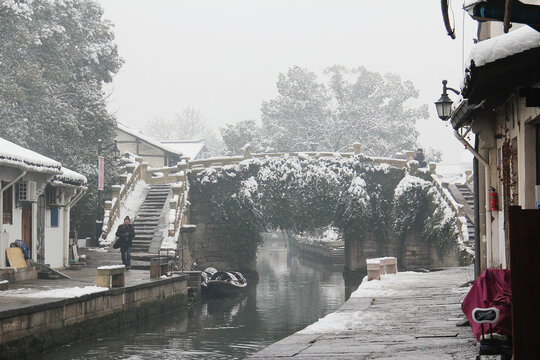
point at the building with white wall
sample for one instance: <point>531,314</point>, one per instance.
<point>36,197</point>
<point>153,152</point>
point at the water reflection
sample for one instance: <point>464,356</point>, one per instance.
<point>292,293</point>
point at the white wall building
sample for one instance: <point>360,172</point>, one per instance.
<point>501,109</point>
<point>36,196</point>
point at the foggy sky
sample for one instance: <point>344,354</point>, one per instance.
<point>223,57</point>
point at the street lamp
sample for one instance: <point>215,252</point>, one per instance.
<point>444,104</point>
<point>101,175</point>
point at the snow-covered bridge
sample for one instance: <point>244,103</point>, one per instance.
<point>217,227</point>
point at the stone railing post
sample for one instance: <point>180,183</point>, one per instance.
<point>115,191</point>
<point>468,176</point>
<point>247,151</point>
<point>432,167</point>
<point>357,148</point>
<point>409,155</point>
<point>144,171</point>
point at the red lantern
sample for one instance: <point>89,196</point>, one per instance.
<point>493,200</point>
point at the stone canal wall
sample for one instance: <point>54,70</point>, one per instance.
<point>328,253</point>
<point>33,329</point>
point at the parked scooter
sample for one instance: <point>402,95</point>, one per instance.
<point>494,347</point>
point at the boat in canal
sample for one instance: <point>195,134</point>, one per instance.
<point>222,283</point>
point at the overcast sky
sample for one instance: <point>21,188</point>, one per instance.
<point>223,57</point>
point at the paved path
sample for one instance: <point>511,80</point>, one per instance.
<point>411,321</point>
<point>83,276</point>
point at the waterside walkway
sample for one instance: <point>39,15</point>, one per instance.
<point>402,316</point>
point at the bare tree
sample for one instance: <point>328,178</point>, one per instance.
<point>187,125</point>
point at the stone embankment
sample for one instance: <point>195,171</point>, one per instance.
<point>38,315</point>
<point>331,252</point>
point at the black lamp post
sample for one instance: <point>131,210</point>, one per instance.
<point>444,104</point>
<point>99,215</point>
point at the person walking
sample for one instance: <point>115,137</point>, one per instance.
<point>126,234</point>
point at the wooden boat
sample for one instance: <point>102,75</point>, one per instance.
<point>206,275</point>
<point>225,283</point>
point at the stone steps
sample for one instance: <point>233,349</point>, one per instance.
<point>148,216</point>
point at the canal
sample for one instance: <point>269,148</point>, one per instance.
<point>292,293</point>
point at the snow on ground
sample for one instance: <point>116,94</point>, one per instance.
<point>339,322</point>
<point>111,267</point>
<point>129,208</point>
<point>402,284</point>
<point>53,293</point>
<point>96,249</point>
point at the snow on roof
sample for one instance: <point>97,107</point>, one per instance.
<point>70,177</point>
<point>146,139</point>
<point>191,148</point>
<point>16,156</point>
<point>500,47</point>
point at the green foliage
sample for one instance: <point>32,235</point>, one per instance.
<point>419,208</point>
<point>55,57</point>
<point>308,194</point>
<point>238,135</point>
<point>300,194</point>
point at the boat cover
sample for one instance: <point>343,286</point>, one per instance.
<point>491,289</point>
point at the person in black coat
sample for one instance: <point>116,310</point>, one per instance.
<point>126,234</point>
<point>419,156</point>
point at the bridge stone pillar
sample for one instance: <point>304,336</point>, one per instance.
<point>353,261</point>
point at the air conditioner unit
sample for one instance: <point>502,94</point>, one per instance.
<point>27,191</point>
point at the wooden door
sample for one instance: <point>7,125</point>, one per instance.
<point>525,272</point>
<point>27,225</point>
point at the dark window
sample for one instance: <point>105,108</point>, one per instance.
<point>54,217</point>
<point>7,205</point>
<point>51,195</point>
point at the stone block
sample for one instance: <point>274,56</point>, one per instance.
<point>390,265</point>
<point>373,271</point>
<point>111,277</point>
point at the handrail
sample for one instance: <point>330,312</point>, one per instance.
<point>119,193</point>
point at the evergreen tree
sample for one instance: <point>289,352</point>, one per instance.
<point>55,57</point>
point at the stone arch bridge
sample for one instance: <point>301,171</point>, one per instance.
<point>196,236</point>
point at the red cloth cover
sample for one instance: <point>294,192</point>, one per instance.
<point>491,289</point>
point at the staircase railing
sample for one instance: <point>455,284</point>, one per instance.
<point>134,172</point>
<point>456,207</point>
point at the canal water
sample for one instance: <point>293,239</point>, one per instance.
<point>292,292</point>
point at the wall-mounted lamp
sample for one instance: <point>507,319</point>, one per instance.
<point>444,104</point>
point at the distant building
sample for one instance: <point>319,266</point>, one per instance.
<point>158,153</point>
<point>152,151</point>
<point>194,149</point>
<point>36,197</point>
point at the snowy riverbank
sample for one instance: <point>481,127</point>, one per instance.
<point>397,317</point>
